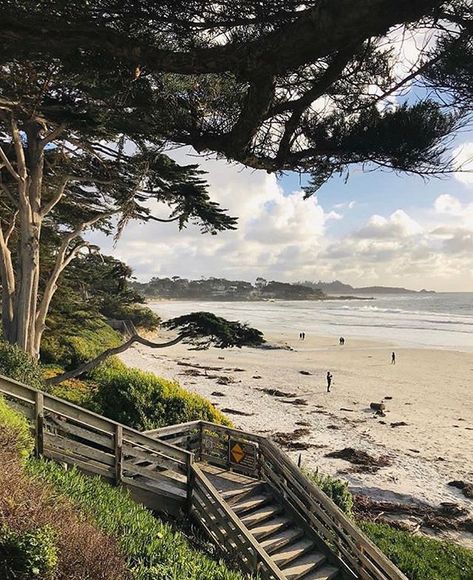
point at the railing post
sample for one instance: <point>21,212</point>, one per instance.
<point>39,423</point>
<point>201,440</point>
<point>118,454</point>
<point>190,482</point>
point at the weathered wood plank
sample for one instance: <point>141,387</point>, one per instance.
<point>261,556</point>
<point>12,387</point>
<point>171,429</point>
<point>214,460</point>
<point>134,454</point>
<point>230,432</point>
<point>161,489</point>
<point>83,416</point>
<point>87,465</point>
<point>76,449</point>
<point>134,437</point>
<point>54,423</point>
<point>118,454</point>
<point>157,476</point>
<point>325,533</point>
<point>183,441</point>
<point>330,512</point>
<point>38,424</point>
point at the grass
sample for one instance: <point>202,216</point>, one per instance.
<point>154,550</point>
<point>17,428</point>
<point>421,558</point>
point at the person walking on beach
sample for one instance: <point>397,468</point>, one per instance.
<point>393,358</point>
<point>342,341</point>
<point>329,381</point>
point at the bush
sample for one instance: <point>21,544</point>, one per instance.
<point>17,365</point>
<point>27,555</point>
<point>153,549</point>
<point>421,558</point>
<point>71,349</point>
<point>336,489</point>
<point>144,401</point>
<point>16,430</point>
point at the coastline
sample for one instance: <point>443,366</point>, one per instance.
<point>430,444</point>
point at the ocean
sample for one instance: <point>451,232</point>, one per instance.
<point>442,320</point>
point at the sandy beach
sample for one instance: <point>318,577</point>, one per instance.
<point>428,394</point>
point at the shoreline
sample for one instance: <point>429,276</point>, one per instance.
<point>426,436</point>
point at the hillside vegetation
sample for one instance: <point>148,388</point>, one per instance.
<point>58,524</point>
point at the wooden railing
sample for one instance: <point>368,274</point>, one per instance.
<point>227,530</point>
<point>352,549</point>
<point>161,463</point>
<point>70,434</point>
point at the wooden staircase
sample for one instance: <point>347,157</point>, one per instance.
<point>294,551</point>
<point>251,500</point>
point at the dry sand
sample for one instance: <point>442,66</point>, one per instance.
<point>431,390</point>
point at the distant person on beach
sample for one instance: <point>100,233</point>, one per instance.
<point>329,381</point>
<point>342,341</point>
<point>393,358</point>
<point>303,335</point>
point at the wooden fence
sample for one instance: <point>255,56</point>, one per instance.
<point>354,552</point>
<point>70,434</point>
<point>159,469</point>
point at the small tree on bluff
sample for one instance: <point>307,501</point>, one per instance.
<point>199,329</point>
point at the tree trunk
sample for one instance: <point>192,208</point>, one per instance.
<point>20,285</point>
<point>30,171</point>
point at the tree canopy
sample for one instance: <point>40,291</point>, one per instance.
<point>274,85</point>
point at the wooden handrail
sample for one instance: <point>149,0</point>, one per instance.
<point>65,432</point>
<point>261,557</point>
<point>377,561</point>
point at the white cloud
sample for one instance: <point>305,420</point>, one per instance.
<point>278,234</point>
<point>463,160</point>
<point>282,236</point>
<point>398,225</point>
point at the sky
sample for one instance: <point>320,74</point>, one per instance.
<point>377,228</point>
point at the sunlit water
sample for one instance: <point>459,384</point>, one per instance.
<point>443,320</point>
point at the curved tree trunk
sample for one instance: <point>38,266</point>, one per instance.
<point>88,366</point>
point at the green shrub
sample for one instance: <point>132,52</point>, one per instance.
<point>144,401</point>
<point>336,489</point>
<point>71,349</point>
<point>154,550</point>
<point>27,555</point>
<point>16,364</point>
<point>421,558</point>
<point>17,425</point>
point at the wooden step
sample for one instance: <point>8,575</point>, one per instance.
<point>327,572</point>
<point>281,539</point>
<point>236,494</point>
<point>251,503</point>
<point>261,515</point>
<point>286,555</point>
<point>274,526</point>
<point>301,567</point>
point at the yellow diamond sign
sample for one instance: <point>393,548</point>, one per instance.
<point>237,453</point>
